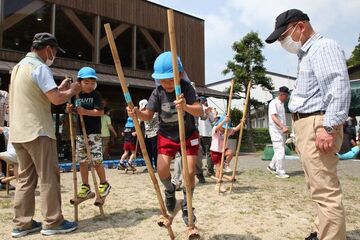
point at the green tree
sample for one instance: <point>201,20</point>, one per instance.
<point>248,64</point>
<point>355,56</point>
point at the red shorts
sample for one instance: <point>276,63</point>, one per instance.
<point>215,157</point>
<point>170,148</point>
<point>129,146</point>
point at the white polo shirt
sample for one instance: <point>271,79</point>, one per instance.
<point>276,107</point>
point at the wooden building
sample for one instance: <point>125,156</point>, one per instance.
<point>140,29</point>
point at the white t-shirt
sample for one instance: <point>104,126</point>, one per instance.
<point>204,125</point>
<point>276,107</point>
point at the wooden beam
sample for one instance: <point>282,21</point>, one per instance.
<point>116,32</point>
<point>21,14</point>
<point>133,47</point>
<point>80,26</point>
<point>97,29</point>
<point>150,40</point>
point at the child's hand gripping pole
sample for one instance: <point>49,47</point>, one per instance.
<point>240,135</point>
<point>225,136</point>
<point>139,133</point>
<point>192,231</point>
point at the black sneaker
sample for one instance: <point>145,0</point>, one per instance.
<point>210,173</point>
<point>170,200</point>
<point>270,169</point>
<point>185,216</point>
<point>201,178</point>
<point>312,236</point>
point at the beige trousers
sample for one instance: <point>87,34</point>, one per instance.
<point>37,159</point>
<point>321,178</point>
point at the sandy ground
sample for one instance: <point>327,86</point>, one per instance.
<point>261,207</point>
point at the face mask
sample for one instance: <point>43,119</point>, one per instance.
<point>48,61</point>
<point>290,45</point>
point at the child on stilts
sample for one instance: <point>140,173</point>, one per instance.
<point>129,135</point>
<point>163,101</point>
<point>89,105</point>
<point>217,143</point>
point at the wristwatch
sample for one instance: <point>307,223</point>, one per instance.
<point>329,130</point>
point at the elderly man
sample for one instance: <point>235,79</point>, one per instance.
<point>32,133</point>
<point>320,104</point>
<point>277,129</point>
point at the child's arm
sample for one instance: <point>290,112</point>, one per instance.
<point>112,129</point>
<point>194,109</point>
<point>143,115</point>
<point>237,128</point>
<point>92,112</point>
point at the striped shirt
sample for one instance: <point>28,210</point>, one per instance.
<point>322,82</point>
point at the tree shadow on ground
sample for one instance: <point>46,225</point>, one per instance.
<point>233,237</point>
<point>120,219</point>
<point>295,173</point>
<point>353,235</point>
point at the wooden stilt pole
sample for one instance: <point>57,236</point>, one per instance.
<point>225,135</point>
<point>73,158</point>
<point>139,133</point>
<point>192,231</point>
<point>240,135</point>
<point>8,175</point>
<point>91,162</point>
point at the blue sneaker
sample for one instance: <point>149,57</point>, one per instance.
<point>35,227</point>
<point>65,227</point>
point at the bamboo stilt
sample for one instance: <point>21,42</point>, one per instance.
<point>192,232</point>
<point>73,159</point>
<point>139,133</point>
<point>8,175</point>
<point>240,135</point>
<point>89,157</point>
<point>226,134</point>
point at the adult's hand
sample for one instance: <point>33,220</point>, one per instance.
<point>324,141</point>
<point>65,84</point>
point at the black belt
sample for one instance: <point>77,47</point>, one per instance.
<point>297,116</point>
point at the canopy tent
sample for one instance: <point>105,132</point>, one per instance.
<point>355,97</point>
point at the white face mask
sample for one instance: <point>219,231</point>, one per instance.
<point>48,61</point>
<point>290,45</point>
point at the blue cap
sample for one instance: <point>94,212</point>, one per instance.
<point>163,68</point>
<point>87,72</point>
<point>221,118</point>
<point>129,123</point>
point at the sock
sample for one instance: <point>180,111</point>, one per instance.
<point>169,186</point>
<point>185,199</point>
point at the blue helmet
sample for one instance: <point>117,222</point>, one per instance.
<point>163,68</point>
<point>129,123</point>
<point>221,118</point>
<point>87,72</point>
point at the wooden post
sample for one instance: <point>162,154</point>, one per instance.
<point>225,134</point>
<point>240,135</point>
<point>192,232</point>
<point>73,158</point>
<point>91,162</point>
<point>139,133</point>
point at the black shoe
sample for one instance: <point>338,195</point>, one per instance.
<point>201,178</point>
<point>312,236</point>
<point>185,216</point>
<point>170,200</point>
<point>210,173</point>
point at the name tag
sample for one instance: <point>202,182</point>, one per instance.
<point>194,142</point>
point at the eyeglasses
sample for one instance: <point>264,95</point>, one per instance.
<point>283,35</point>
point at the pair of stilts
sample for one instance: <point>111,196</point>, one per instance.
<point>166,219</point>
<point>232,178</point>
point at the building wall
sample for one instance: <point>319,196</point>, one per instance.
<point>189,29</point>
